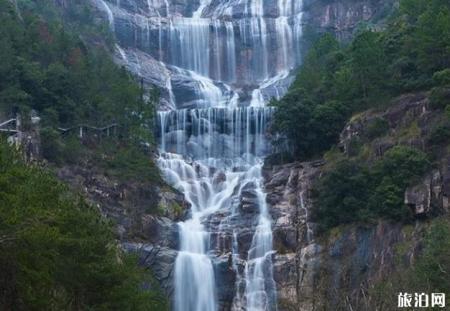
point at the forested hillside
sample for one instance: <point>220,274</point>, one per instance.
<point>48,66</point>
<point>377,111</point>
<point>59,64</point>
<point>337,81</point>
<point>58,252</point>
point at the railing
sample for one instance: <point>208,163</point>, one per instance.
<point>83,130</point>
<point>9,127</point>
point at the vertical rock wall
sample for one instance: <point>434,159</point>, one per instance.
<point>338,270</point>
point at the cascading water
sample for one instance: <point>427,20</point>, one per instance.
<point>240,43</point>
<point>212,155</point>
<point>213,152</point>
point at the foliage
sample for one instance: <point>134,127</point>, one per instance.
<point>355,192</point>
<point>47,66</point>
<point>428,274</point>
<point>439,97</point>
<point>127,162</point>
<point>343,194</point>
<point>57,252</point>
<point>412,53</point>
<point>377,128</point>
<point>439,134</point>
<point>442,77</point>
<point>51,144</point>
<point>431,272</point>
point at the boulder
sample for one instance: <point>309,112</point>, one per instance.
<point>249,199</point>
<point>161,260</point>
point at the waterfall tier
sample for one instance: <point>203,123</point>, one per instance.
<point>218,133</point>
<point>238,45</point>
<point>215,156</point>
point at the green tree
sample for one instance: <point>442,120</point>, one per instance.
<point>58,253</point>
<point>351,191</point>
<point>410,54</point>
<point>368,63</point>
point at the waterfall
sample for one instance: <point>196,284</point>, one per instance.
<point>189,44</point>
<point>105,7</point>
<point>212,155</point>
<point>239,43</point>
<point>260,292</point>
<point>219,63</point>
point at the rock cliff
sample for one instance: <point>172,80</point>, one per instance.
<point>343,17</point>
<point>340,269</point>
<point>144,213</point>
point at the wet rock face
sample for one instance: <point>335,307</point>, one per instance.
<point>249,199</point>
<point>334,270</point>
<point>342,17</point>
<point>159,258</point>
<point>314,272</point>
<point>407,110</point>
<point>287,189</point>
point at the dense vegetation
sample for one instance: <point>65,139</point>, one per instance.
<point>58,253</point>
<point>354,191</point>
<point>47,66</point>
<point>431,271</point>
<point>58,63</point>
<point>429,274</point>
<point>338,81</point>
<point>411,54</point>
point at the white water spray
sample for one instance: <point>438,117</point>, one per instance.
<point>214,153</point>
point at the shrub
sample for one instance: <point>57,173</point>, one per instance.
<point>442,77</point>
<point>447,112</point>
<point>72,150</point>
<point>402,164</point>
<point>439,135</point>
<point>51,144</point>
<point>377,128</point>
<point>355,146</point>
<point>356,192</point>
<point>128,162</point>
<point>439,97</point>
<point>431,270</point>
<point>341,194</point>
<point>386,201</point>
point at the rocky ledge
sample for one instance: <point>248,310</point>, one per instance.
<point>145,214</point>
<point>337,270</point>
